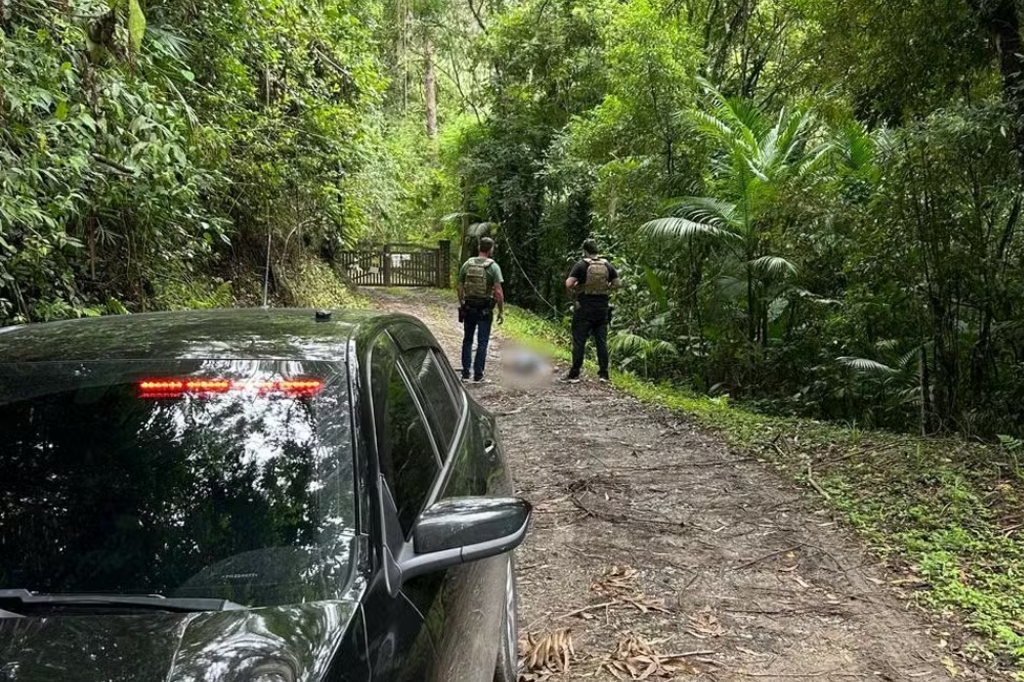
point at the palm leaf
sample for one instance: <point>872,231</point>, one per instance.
<point>815,160</point>
<point>734,122</point>
<point>758,173</point>
<point>713,126</point>
<point>855,147</point>
<point>626,343</point>
<point>662,348</point>
<point>768,149</point>
<point>458,215</point>
<point>170,44</point>
<point>481,229</point>
<point>683,227</point>
<point>866,366</point>
<point>773,266</point>
<point>706,210</point>
<point>909,359</point>
<point>657,289</point>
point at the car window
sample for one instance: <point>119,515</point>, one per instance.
<point>228,480</point>
<point>442,410</point>
<point>405,450</point>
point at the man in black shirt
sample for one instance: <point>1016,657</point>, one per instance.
<point>591,281</point>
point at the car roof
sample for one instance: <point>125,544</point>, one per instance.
<point>250,333</point>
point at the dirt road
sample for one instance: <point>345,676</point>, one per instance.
<point>660,549</point>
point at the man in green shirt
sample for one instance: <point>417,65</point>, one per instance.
<point>479,290</point>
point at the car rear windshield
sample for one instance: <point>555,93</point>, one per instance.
<point>230,479</point>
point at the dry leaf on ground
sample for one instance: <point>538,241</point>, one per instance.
<point>544,655</point>
<point>704,624</point>
<point>635,659</point>
<point>644,604</point>
<point>616,580</point>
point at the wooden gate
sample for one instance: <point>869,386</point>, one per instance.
<point>399,265</point>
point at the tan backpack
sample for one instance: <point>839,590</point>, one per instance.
<point>597,277</point>
<point>478,286</point>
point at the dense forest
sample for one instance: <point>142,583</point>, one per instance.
<point>150,152</point>
<point>815,204</point>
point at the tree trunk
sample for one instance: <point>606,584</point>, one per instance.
<point>463,253</point>
<point>926,398</point>
<point>751,307</point>
<point>430,87</point>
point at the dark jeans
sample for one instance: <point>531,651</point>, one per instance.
<point>478,321</point>
<point>584,323</point>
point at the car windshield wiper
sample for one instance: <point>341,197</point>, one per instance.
<point>10,600</point>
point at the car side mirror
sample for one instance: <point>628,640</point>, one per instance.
<point>463,529</point>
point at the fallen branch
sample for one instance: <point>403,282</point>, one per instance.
<point>814,484</point>
<point>688,654</point>
<point>824,673</point>
<point>592,607</point>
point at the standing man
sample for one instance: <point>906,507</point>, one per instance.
<point>479,289</point>
<point>591,281</point>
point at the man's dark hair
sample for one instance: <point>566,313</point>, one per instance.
<point>486,245</point>
<point>590,247</point>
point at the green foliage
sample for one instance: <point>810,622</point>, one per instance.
<point>197,294</point>
<point>313,283</point>
<point>98,195</point>
<point>146,149</point>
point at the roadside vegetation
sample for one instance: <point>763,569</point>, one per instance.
<point>152,153</point>
<point>945,514</point>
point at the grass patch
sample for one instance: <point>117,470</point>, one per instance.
<point>312,283</point>
<point>200,293</point>
<point>946,512</point>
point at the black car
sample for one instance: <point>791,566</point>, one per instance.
<point>249,496</point>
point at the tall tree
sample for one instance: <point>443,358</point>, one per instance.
<point>755,156</point>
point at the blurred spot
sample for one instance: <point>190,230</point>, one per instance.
<point>521,365</point>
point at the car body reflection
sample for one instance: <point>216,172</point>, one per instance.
<point>130,504</point>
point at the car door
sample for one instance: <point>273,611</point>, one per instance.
<point>464,613</point>
<point>405,467</point>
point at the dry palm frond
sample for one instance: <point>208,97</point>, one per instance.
<point>636,659</point>
<point>543,655</point>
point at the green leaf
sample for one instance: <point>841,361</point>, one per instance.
<point>188,75</point>
<point>657,289</point>
<point>773,266</point>
<point>866,366</point>
<point>136,24</point>
<point>62,110</point>
<point>681,227</point>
